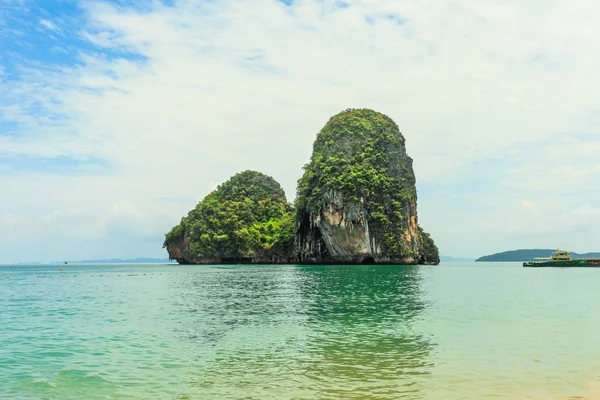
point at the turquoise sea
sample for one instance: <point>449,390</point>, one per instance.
<point>453,331</point>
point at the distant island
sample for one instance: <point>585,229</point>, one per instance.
<point>139,260</point>
<point>530,254</point>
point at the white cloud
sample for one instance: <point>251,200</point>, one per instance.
<point>228,86</point>
<point>49,25</point>
<point>9,220</point>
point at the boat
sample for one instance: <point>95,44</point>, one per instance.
<point>561,258</point>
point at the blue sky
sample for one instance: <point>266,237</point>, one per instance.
<point>117,117</point>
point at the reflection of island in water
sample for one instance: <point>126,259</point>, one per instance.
<point>362,342</point>
<point>305,332</point>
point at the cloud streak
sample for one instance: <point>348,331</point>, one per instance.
<point>49,25</point>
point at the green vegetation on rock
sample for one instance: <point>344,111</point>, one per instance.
<point>246,217</point>
<point>429,250</point>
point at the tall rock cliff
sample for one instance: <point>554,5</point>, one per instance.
<point>357,200</point>
<point>245,220</point>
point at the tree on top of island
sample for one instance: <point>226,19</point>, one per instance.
<point>356,203</point>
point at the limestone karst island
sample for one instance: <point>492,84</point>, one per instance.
<point>356,203</point>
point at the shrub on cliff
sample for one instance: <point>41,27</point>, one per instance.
<point>247,216</point>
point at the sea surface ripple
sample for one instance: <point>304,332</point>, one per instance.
<point>453,331</point>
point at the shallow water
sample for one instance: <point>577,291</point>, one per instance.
<point>454,331</point>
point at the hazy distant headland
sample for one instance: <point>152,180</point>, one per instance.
<point>138,260</point>
<point>529,255</point>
